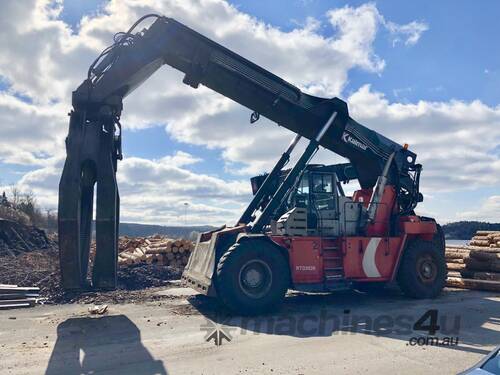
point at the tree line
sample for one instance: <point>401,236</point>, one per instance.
<point>23,207</point>
<point>465,230</point>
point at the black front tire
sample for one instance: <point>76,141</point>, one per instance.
<point>422,272</point>
<point>438,239</point>
<point>252,278</point>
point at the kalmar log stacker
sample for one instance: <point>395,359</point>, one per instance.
<point>300,231</point>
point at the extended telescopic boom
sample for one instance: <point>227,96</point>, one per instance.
<point>134,57</point>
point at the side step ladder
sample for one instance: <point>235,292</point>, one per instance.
<point>333,268</point>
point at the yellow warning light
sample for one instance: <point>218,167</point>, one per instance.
<point>405,146</point>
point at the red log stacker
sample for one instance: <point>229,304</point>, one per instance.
<point>300,231</point>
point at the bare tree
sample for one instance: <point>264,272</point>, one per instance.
<point>51,224</point>
<point>15,195</point>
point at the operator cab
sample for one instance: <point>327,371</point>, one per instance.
<point>317,205</point>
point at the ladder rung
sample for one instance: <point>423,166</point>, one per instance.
<point>334,268</point>
<point>333,277</point>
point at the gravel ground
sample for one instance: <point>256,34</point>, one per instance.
<point>170,336</point>
<point>41,269</point>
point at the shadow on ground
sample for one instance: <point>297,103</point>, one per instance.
<point>101,344</point>
<point>465,315</point>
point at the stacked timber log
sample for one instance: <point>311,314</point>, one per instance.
<point>13,296</point>
<point>477,265</point>
<point>155,249</point>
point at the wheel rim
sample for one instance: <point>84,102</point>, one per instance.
<point>426,269</point>
<point>255,278</point>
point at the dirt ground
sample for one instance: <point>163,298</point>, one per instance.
<point>40,268</point>
<point>30,258</point>
<point>341,333</point>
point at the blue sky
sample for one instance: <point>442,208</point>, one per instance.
<point>453,64</point>
<point>456,60</point>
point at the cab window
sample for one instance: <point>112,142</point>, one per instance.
<point>322,183</point>
<point>304,185</point>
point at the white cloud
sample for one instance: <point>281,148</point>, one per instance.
<point>43,59</point>
<point>453,140</point>
<point>411,31</point>
<point>180,159</point>
<point>357,28</point>
<point>360,25</point>
<point>30,134</point>
<point>46,61</point>
<point>154,191</point>
<point>487,210</point>
<point>157,190</point>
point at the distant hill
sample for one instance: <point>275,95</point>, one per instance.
<point>460,230</point>
<point>464,230</point>
<point>142,230</point>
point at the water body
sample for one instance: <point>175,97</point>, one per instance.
<point>457,242</point>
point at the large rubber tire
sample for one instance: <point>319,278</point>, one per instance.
<point>438,239</point>
<point>422,272</point>
<point>245,295</point>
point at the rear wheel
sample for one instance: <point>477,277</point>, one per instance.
<point>252,277</point>
<point>438,239</point>
<point>422,272</point>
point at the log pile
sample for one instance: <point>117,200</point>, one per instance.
<point>154,250</point>
<point>477,265</point>
<point>485,238</point>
